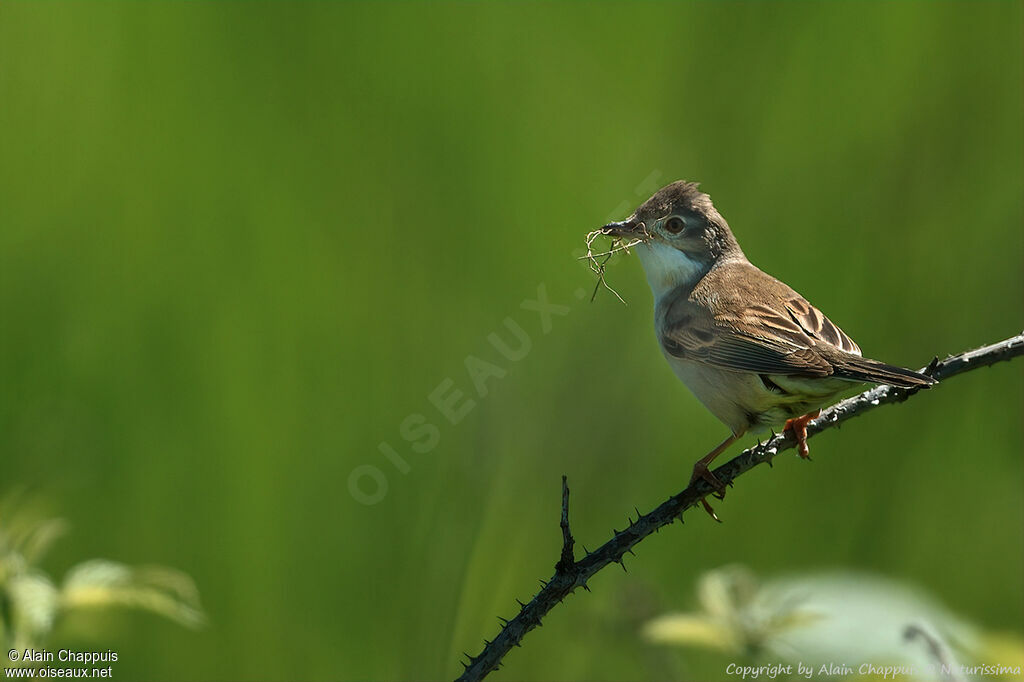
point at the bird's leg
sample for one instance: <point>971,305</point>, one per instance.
<point>700,471</point>
<point>799,428</point>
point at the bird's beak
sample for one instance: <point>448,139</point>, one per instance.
<point>626,228</point>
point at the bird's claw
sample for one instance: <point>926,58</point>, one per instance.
<point>702,473</point>
<point>799,428</point>
<point>709,510</point>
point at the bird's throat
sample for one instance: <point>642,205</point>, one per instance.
<point>668,268</point>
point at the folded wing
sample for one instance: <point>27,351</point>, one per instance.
<point>750,322</point>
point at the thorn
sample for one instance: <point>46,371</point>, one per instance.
<point>623,564</point>
<point>770,465</point>
<point>681,518</point>
<point>504,621</point>
<point>521,604</point>
<point>631,551</point>
<point>487,642</point>
<point>585,550</point>
<point>584,586</point>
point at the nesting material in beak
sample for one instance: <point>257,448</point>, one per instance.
<point>624,234</point>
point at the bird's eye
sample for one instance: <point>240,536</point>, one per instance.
<point>674,225</point>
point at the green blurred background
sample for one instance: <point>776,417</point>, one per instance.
<point>241,243</point>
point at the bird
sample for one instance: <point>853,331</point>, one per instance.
<point>752,350</point>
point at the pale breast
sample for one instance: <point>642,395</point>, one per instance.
<point>717,390</point>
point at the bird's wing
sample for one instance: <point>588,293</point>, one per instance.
<point>742,319</point>
<point>775,346</point>
<point>746,321</point>
<point>814,323</point>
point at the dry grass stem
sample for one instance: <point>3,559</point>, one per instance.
<point>599,266</point>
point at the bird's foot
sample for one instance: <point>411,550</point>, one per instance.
<point>799,428</point>
<point>701,472</point>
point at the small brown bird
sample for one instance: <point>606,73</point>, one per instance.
<point>752,350</point>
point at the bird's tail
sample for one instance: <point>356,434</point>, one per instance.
<point>865,369</point>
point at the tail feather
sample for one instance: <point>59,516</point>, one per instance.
<point>872,371</point>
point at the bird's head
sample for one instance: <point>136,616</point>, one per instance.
<point>681,235</point>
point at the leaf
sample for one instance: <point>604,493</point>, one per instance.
<point>41,537</point>
<point>33,605</point>
<point>103,584</point>
<point>691,629</point>
<point>725,591</point>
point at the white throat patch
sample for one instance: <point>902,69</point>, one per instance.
<point>667,268</point>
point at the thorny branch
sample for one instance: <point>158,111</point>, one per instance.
<point>571,574</point>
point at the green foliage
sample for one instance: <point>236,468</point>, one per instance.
<point>33,604</point>
<point>733,619</point>
<point>838,625</point>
